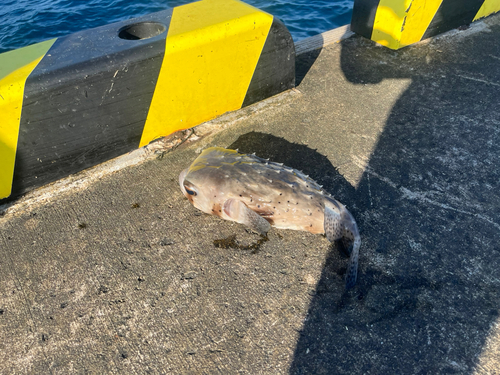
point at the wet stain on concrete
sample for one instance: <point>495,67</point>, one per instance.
<point>231,243</point>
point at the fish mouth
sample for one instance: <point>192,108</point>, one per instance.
<point>182,177</point>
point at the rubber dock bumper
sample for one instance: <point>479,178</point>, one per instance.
<point>399,23</point>
<point>73,102</point>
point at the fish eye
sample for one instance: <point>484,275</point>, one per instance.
<point>189,191</point>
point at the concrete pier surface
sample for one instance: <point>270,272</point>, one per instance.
<point>125,276</point>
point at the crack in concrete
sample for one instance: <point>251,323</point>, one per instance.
<point>478,80</point>
<point>408,194</point>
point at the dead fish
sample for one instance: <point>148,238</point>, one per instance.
<point>259,193</point>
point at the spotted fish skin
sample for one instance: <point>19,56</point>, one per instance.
<point>259,193</point>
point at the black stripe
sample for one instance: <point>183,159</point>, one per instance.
<point>452,14</point>
<point>363,16</point>
<point>275,70</point>
<point>87,100</point>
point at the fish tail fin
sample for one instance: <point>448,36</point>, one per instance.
<point>351,235</point>
<point>340,225</point>
<point>352,267</point>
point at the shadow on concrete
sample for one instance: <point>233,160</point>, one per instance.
<point>428,209</point>
<point>304,62</point>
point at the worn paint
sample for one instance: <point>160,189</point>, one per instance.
<point>400,23</point>
<point>488,7</point>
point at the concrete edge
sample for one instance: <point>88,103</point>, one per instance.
<point>322,40</point>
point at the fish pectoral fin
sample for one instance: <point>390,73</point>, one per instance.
<point>239,212</point>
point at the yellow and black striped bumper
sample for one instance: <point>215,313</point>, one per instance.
<point>73,102</point>
<point>399,23</point>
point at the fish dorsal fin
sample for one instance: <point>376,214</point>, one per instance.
<point>239,212</point>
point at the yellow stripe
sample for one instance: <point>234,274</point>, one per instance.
<point>12,83</point>
<point>400,23</point>
<point>488,7</point>
<point>211,52</point>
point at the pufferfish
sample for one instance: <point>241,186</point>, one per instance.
<point>260,194</point>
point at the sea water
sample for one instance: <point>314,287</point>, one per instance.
<point>25,22</point>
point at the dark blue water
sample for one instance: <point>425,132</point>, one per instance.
<point>24,22</point>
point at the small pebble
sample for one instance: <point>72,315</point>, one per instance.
<point>166,242</point>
